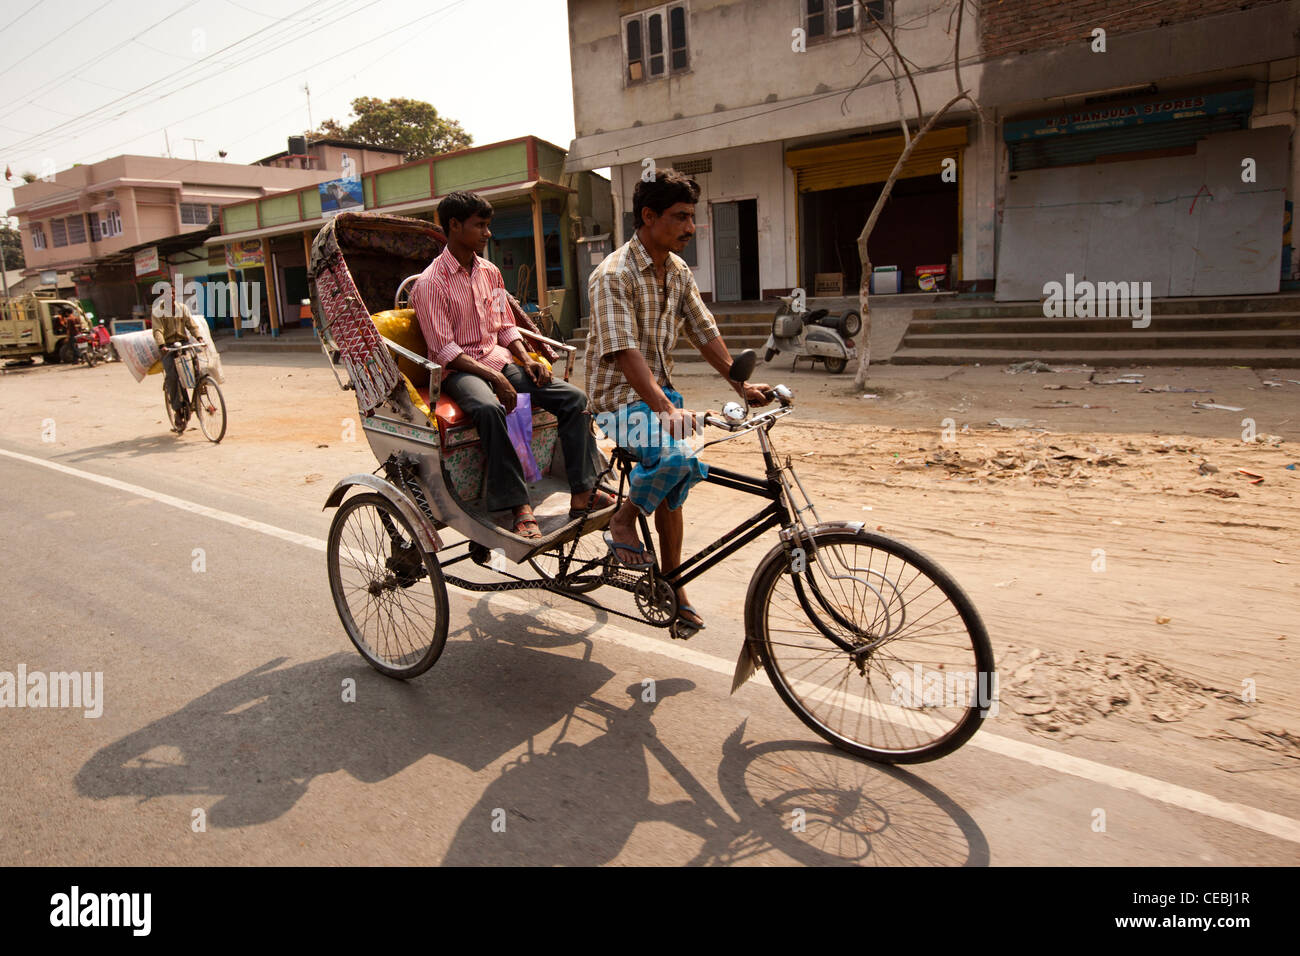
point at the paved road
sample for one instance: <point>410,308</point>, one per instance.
<point>225,737</point>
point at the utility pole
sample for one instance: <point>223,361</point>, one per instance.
<point>196,146</point>
<point>4,269</point>
<point>307,89</point>
<point>167,140</point>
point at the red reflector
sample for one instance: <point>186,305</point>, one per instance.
<point>849,343</point>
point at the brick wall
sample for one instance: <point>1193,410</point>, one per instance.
<point>1013,26</point>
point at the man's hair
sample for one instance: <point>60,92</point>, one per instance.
<point>668,187</point>
<point>461,206</point>
<point>65,310</point>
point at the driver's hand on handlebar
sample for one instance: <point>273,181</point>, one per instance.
<point>681,423</point>
<point>758,395</point>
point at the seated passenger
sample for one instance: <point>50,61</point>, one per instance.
<point>460,302</point>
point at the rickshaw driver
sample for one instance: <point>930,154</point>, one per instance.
<point>171,320</point>
<point>639,295</point>
<point>460,302</point>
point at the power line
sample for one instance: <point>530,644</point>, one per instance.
<point>155,83</point>
<point>297,71</point>
<point>21,15</point>
<point>56,82</point>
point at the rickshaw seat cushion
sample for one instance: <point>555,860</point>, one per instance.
<point>401,326</point>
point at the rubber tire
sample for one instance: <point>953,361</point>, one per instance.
<point>760,591</point>
<point>435,579</point>
<point>90,358</point>
<point>836,365</point>
<point>51,358</point>
<point>222,400</point>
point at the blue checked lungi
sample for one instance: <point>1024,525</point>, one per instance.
<point>668,467</point>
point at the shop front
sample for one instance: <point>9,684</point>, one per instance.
<point>1152,188</point>
<point>919,227</point>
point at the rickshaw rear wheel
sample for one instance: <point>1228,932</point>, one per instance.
<point>378,575</point>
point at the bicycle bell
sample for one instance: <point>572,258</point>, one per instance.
<point>733,412</point>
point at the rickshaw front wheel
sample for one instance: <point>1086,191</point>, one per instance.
<point>395,615</point>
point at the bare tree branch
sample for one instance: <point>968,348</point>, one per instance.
<point>907,70</point>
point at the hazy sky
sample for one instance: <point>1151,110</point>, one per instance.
<point>84,80</point>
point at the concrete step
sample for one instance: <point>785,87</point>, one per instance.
<point>1251,357</point>
<point>1178,306</point>
<point>1227,321</point>
<point>1129,340</point>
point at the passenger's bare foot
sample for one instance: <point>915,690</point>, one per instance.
<point>579,500</point>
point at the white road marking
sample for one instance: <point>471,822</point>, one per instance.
<point>1203,803</point>
<point>216,514</point>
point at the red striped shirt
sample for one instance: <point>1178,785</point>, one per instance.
<point>461,311</point>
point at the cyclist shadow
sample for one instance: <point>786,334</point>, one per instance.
<point>579,803</point>
<point>254,743</point>
<point>165,441</point>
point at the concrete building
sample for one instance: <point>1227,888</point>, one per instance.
<point>92,219</point>
<point>1082,158</point>
<point>538,214</point>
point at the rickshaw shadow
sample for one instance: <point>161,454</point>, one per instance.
<point>254,743</point>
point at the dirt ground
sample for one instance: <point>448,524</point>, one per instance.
<point>1134,557</point>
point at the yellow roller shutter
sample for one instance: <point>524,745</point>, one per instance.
<point>871,161</point>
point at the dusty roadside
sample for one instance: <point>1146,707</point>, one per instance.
<point>1139,588</point>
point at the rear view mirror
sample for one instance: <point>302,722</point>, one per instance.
<point>742,366</point>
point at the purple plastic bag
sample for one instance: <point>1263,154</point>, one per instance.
<point>519,425</point>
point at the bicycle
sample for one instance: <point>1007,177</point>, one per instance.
<point>204,398</point>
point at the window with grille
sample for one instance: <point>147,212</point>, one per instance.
<point>194,214</point>
<point>94,226</point>
<point>76,230</point>
<point>38,236</point>
<point>111,223</point>
<point>693,167</point>
<point>831,18</point>
<point>654,43</point>
<point>59,232</point>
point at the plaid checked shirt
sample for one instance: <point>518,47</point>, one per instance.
<point>630,311</point>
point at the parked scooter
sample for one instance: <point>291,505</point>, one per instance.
<point>813,335</point>
<point>81,345</point>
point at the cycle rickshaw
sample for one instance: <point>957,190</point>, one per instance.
<point>869,642</point>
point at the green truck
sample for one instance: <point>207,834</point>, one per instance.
<point>30,326</point>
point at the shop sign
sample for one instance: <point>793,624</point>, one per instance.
<point>247,253</point>
<point>146,261</point>
<point>1118,115</point>
<point>340,195</point>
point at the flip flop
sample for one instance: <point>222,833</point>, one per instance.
<point>690,610</point>
<point>523,522</point>
<point>630,549</point>
<point>602,500</point>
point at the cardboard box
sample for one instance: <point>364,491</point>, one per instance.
<point>828,283</point>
